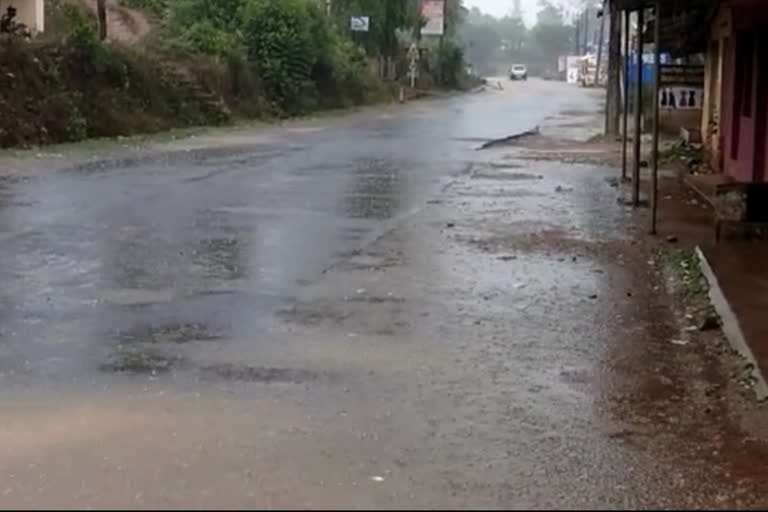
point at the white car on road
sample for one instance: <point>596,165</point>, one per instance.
<point>518,72</point>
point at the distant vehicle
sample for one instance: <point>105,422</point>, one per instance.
<point>518,72</point>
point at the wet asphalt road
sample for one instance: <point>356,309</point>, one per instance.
<point>216,234</point>
<point>359,311</point>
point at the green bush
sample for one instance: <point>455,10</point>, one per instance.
<point>279,40</point>
<point>450,65</point>
<point>156,7</point>
<point>290,47</point>
<point>203,37</point>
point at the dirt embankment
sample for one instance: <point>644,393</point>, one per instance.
<point>56,91</point>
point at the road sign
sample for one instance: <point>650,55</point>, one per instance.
<point>433,12</point>
<point>359,23</point>
<point>413,68</point>
<point>413,52</point>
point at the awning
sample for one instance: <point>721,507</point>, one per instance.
<point>685,24</point>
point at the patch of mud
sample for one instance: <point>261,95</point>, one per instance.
<point>377,300</point>
<point>140,361</point>
<point>264,374</point>
<point>313,314</point>
<point>546,239</point>
<point>586,157</point>
<point>167,334</point>
<point>13,179</point>
<point>504,165</point>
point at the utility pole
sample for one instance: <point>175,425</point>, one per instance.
<point>637,136</point>
<point>625,110</point>
<point>600,46</point>
<point>613,99</point>
<point>655,147</point>
<point>586,30</point>
<point>578,35</point>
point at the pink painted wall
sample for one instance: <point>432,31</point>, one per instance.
<point>740,163</point>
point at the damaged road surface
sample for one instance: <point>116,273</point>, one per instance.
<point>357,312</point>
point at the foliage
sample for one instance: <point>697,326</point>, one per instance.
<point>279,40</point>
<point>491,43</point>
<point>156,7</point>
<point>451,65</point>
<point>386,18</point>
<point>299,55</point>
<point>66,90</point>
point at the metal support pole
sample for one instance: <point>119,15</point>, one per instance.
<point>655,149</point>
<point>613,87</point>
<point>636,136</point>
<point>600,44</point>
<point>625,112</point>
<point>586,30</point>
<point>578,36</point>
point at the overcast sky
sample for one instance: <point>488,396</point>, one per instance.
<point>502,7</point>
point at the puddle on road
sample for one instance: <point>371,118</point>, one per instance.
<point>504,165</point>
<point>221,258</point>
<point>374,191</point>
<point>369,207</point>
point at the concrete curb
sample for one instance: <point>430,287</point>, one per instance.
<point>731,326</point>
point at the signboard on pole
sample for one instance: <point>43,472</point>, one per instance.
<point>561,67</point>
<point>359,23</point>
<point>413,68</point>
<point>682,87</point>
<point>433,12</point>
<point>678,75</point>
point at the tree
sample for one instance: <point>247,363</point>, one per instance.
<point>549,14</point>
<point>481,41</point>
<point>101,13</point>
<point>551,37</point>
<point>514,33</point>
<point>386,18</point>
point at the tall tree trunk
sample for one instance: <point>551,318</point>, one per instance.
<point>101,12</point>
<point>613,100</point>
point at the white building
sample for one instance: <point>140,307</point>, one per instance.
<point>29,12</point>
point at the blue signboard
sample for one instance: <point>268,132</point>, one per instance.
<point>647,67</point>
